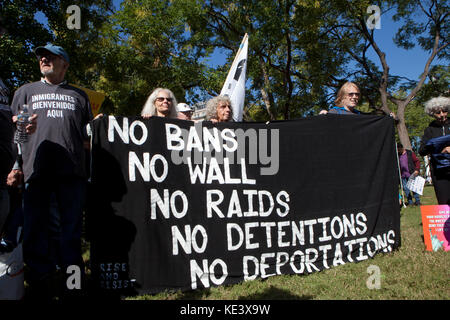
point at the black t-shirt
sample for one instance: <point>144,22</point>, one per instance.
<point>56,148</point>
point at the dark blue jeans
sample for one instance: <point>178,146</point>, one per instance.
<point>40,217</point>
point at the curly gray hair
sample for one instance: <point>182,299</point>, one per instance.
<point>435,104</point>
<point>211,106</point>
<point>149,106</point>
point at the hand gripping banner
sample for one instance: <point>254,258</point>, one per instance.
<point>177,205</point>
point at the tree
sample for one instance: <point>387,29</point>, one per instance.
<point>299,50</point>
<point>166,43</point>
<point>20,33</point>
<point>438,84</point>
<point>148,45</point>
<point>431,35</point>
<point>287,65</point>
<point>23,33</point>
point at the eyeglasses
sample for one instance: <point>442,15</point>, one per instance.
<point>161,99</point>
<point>440,111</point>
<point>353,94</point>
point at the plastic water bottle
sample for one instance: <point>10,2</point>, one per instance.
<point>23,119</point>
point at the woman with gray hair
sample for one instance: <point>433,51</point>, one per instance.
<point>160,103</point>
<point>439,148</point>
<point>219,109</point>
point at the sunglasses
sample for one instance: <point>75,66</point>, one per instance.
<point>49,57</point>
<point>161,99</point>
<point>440,111</point>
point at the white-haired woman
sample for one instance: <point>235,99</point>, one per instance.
<point>160,103</point>
<point>219,109</point>
<point>438,108</point>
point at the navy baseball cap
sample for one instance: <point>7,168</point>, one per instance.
<point>57,50</point>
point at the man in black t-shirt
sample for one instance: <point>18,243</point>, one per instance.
<point>54,166</point>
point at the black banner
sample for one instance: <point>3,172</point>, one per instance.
<point>175,205</point>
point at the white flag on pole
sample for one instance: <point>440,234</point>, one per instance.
<point>234,86</point>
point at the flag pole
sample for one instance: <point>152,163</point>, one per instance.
<point>234,77</point>
<point>240,48</point>
<point>400,176</point>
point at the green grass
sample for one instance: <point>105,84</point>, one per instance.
<point>409,273</point>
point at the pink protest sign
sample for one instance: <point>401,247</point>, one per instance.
<point>436,227</point>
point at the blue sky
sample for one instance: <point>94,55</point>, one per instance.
<point>406,63</point>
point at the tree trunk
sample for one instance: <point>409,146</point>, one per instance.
<point>401,126</point>
<point>268,104</point>
<point>267,97</point>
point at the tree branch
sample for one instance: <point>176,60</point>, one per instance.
<point>382,56</point>
<point>435,51</point>
<point>266,94</point>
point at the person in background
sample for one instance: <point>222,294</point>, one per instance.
<point>437,129</point>
<point>219,109</point>
<point>160,103</point>
<point>409,166</point>
<point>6,151</point>
<point>54,170</point>
<point>184,111</point>
<point>347,98</point>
